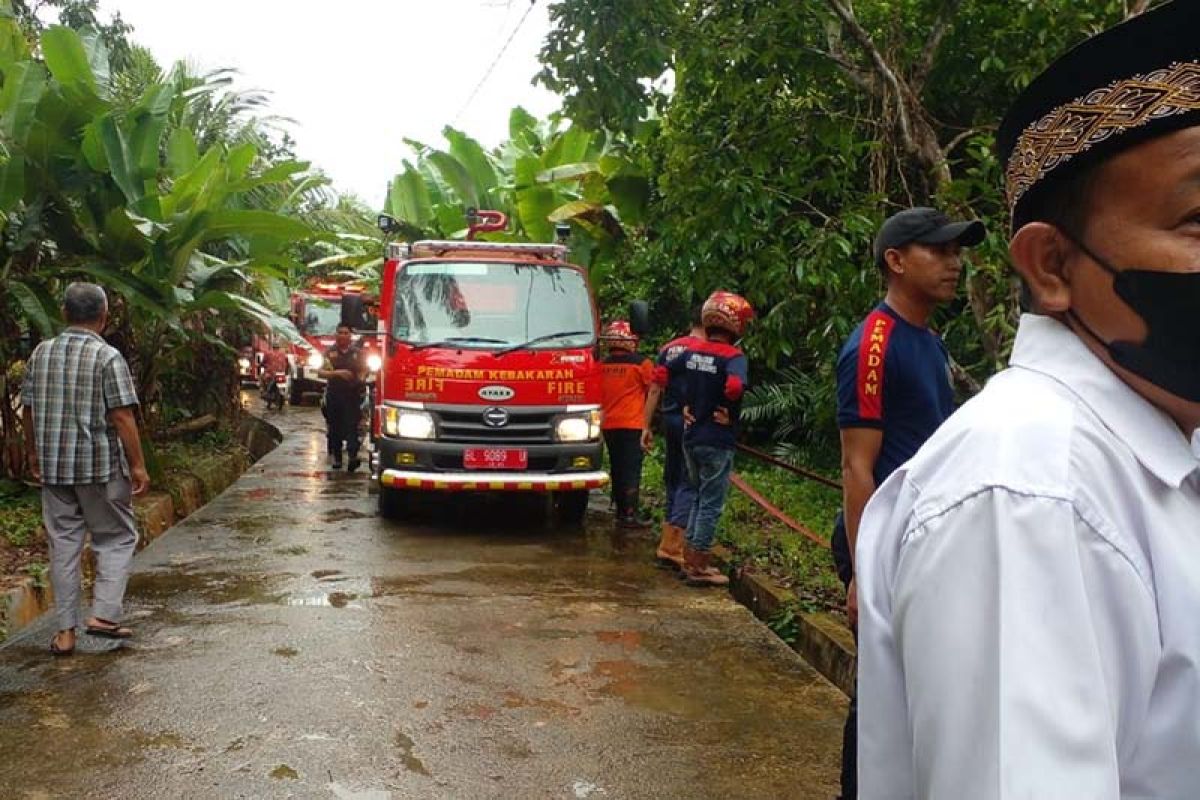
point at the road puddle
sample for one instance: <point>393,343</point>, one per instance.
<point>343,514</point>
<point>318,598</point>
<point>284,772</point>
<point>219,588</point>
<point>410,761</point>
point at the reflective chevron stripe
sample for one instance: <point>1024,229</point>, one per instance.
<point>504,482</point>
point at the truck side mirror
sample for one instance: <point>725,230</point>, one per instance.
<point>639,317</point>
<point>354,312</point>
<point>387,223</point>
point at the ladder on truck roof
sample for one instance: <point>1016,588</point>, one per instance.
<point>432,248</point>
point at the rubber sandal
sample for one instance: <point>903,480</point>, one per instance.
<point>55,650</point>
<point>113,631</point>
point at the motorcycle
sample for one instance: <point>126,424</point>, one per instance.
<point>274,390</point>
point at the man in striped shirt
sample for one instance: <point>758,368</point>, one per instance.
<point>83,443</point>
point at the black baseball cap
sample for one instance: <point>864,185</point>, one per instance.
<point>924,226</point>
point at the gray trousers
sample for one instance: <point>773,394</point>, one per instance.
<point>106,510</point>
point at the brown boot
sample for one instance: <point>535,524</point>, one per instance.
<point>670,547</point>
<point>701,572</point>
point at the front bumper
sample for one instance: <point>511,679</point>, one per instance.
<point>425,464</point>
<point>493,481</point>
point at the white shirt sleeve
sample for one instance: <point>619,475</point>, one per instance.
<point>1009,650</point>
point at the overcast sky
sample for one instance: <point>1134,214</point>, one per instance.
<point>359,76</point>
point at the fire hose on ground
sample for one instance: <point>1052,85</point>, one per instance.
<point>740,483</point>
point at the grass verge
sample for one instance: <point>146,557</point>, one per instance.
<point>762,543</point>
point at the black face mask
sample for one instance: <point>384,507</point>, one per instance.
<point>1169,304</point>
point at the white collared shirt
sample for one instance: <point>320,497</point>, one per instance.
<point>1029,594</point>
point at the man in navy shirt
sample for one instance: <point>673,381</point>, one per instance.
<point>894,388</point>
<point>714,375</point>
<point>678,488</point>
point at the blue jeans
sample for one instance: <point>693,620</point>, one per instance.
<point>680,494</point>
<point>709,469</point>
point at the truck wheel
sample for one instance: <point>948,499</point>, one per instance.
<point>392,503</point>
<point>572,506</point>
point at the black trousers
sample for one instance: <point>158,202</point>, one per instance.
<point>840,545</point>
<point>341,416</point>
<point>625,457</point>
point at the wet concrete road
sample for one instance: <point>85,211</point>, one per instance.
<point>292,644</point>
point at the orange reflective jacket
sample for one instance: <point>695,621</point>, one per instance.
<point>626,378</point>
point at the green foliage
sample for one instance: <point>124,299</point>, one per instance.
<point>20,514</point>
<point>606,75</point>
<point>40,572</point>
<point>543,174</point>
<point>784,145</point>
<point>168,188</point>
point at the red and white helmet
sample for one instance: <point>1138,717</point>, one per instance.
<point>619,333</point>
<point>727,311</point>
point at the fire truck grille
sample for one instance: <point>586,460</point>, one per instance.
<point>524,426</point>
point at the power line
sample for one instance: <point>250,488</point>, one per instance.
<point>488,73</point>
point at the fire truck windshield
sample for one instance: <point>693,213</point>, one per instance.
<point>321,316</point>
<point>486,305</point>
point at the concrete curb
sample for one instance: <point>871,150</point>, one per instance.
<point>156,513</point>
<point>821,639</point>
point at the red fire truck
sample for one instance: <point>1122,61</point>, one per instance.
<point>490,378</point>
<point>317,310</point>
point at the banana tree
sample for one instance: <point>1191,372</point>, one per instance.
<point>542,175</point>
<point>92,188</point>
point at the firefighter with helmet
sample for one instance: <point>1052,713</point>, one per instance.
<point>714,375</point>
<point>625,379</point>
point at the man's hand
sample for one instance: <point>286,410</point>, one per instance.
<point>647,440</point>
<point>689,418</point>
<point>140,480</point>
<point>852,603</point>
<point>721,415</point>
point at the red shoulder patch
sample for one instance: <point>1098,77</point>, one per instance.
<point>872,350</point>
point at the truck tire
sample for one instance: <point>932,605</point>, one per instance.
<point>393,503</point>
<point>571,507</point>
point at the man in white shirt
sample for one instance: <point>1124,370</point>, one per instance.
<point>1029,583</point>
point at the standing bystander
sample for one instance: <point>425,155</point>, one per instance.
<point>894,389</point>
<point>625,379</point>
<point>715,376</point>
<point>83,442</point>
<point>343,372</point>
<point>669,390</point>
<point>1030,581</point>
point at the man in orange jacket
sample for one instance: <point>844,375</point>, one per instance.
<point>626,377</point>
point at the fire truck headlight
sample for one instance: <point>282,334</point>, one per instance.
<point>244,363</point>
<point>374,362</point>
<point>578,427</point>
<point>315,360</point>
<point>407,423</point>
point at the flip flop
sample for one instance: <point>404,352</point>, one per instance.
<point>112,631</point>
<point>55,650</point>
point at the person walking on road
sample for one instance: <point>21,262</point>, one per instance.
<point>893,379</point>
<point>1029,583</point>
<point>625,380</point>
<point>715,375</point>
<point>344,373</point>
<point>82,438</point>
<point>667,391</point>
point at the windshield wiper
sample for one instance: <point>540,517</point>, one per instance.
<point>459,340</point>
<point>539,339</point>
